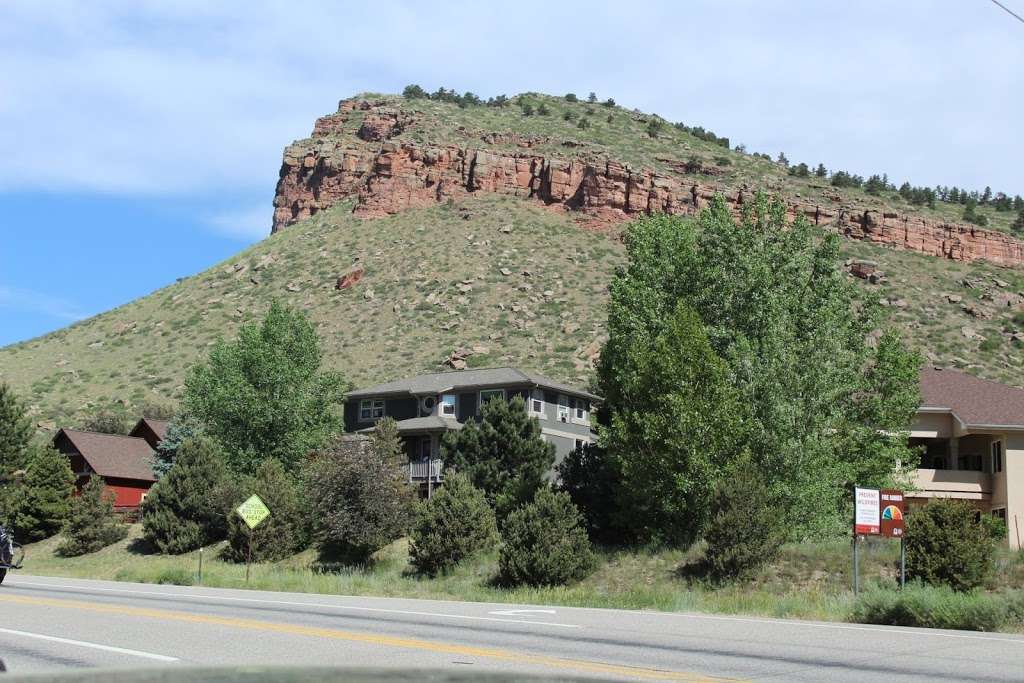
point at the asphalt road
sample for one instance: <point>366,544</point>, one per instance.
<point>53,624</point>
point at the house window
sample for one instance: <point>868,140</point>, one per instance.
<point>448,405</point>
<point>371,409</point>
<point>999,513</point>
<point>580,443</point>
<point>487,394</point>
<point>997,456</point>
<point>426,448</point>
<point>579,410</point>
<point>563,408</point>
<point>537,403</point>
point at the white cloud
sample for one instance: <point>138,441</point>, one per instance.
<point>246,225</point>
<point>14,299</point>
<point>190,96</point>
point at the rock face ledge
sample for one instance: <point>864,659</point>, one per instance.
<point>387,175</point>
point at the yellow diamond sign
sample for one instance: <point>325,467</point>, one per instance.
<point>253,511</point>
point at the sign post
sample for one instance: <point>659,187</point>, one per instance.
<point>253,511</point>
<point>878,513</point>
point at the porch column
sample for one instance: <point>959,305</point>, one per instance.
<point>954,453</point>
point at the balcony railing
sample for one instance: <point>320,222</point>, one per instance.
<point>968,484</point>
<point>426,471</point>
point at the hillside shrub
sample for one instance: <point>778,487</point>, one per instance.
<point>456,523</point>
<point>109,421</point>
<point>284,532</point>
<point>948,545</point>
<point>939,607</point>
<point>545,543</point>
<point>188,508</point>
<point>502,454</point>
<point>92,524</point>
<point>46,501</point>
<point>746,531</point>
<point>361,498</point>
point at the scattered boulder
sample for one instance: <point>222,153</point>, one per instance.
<point>505,271</point>
<point>863,269</point>
<point>346,280</point>
<point>954,298</point>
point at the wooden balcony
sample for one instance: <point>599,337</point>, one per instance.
<point>422,472</point>
<point>964,484</point>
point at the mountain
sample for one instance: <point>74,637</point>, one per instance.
<point>420,234</point>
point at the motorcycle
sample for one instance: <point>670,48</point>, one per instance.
<point>11,554</point>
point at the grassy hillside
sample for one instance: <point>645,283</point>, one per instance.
<point>435,282</point>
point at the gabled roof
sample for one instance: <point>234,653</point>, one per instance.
<point>439,382</point>
<point>976,402</point>
<point>159,427</point>
<point>112,455</point>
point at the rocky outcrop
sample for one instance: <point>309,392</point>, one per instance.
<point>385,175</point>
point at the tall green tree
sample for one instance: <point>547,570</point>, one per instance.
<point>677,423</point>
<point>188,507</point>
<point>264,395</point>
<point>46,500</point>
<point>782,316</point>
<point>15,431</point>
<point>502,454</point>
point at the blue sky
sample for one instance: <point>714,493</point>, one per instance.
<point>140,142</point>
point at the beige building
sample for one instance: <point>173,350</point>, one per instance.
<point>972,432</point>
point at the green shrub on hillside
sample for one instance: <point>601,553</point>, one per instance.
<point>109,421</point>
<point>47,487</point>
<point>284,532</point>
<point>947,545</point>
<point>92,524</point>
<point>188,508</point>
<point>593,482</point>
<point>456,523</point>
<point>940,607</point>
<point>545,543</point>
<point>746,531</point>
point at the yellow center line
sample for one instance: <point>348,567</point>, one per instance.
<point>370,638</point>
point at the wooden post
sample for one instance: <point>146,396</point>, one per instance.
<point>200,566</point>
<point>1016,524</point>
<point>248,558</point>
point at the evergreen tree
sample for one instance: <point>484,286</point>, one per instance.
<point>971,214</point>
<point>180,430</point>
<point>48,486</point>
<point>546,542</point>
<point>15,431</point>
<point>747,527</point>
<point>821,171</point>
<point>264,396</point>
<point>592,97</point>
<point>986,196</point>
<point>92,524</point>
<point>1018,224</point>
<point>502,454</point>
<point>782,159</point>
<point>455,524</point>
<point>188,508</point>
<point>1018,203</point>
<point>875,185</point>
<point>284,532</point>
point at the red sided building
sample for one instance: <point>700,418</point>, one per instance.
<point>124,463</point>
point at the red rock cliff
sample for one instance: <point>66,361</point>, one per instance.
<point>386,176</point>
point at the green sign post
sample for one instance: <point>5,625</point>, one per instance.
<point>253,512</point>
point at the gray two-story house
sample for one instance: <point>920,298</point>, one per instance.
<point>427,406</point>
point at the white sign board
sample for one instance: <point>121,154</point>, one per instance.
<point>866,511</point>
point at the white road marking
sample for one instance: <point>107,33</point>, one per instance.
<point>355,608</point>
<point>94,646</point>
<point>523,611</point>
